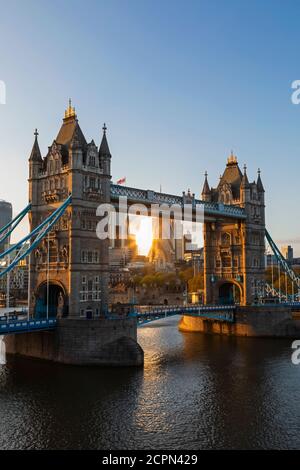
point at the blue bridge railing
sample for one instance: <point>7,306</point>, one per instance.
<point>145,315</point>
<point>224,313</point>
<point>26,326</point>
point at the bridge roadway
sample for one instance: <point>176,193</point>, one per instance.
<point>144,314</point>
<point>11,324</point>
<point>224,313</point>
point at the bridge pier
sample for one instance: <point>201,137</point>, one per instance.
<point>82,342</point>
<point>252,321</point>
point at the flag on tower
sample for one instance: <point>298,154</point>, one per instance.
<point>122,180</point>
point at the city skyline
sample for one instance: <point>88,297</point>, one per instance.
<point>175,104</point>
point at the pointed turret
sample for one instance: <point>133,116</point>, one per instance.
<point>35,155</point>
<point>35,166</point>
<point>104,154</point>
<point>259,184</point>
<point>245,191</point>
<point>104,148</point>
<point>245,181</point>
<point>206,189</point>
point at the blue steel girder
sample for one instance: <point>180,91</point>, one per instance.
<point>39,233</point>
<point>282,261</point>
<point>148,197</point>
<point>7,230</point>
<point>224,313</point>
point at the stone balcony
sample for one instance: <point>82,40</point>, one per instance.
<point>94,194</point>
<point>54,195</point>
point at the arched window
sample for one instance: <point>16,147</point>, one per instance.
<point>225,240</point>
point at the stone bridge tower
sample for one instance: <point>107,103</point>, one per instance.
<point>234,251</point>
<point>69,269</point>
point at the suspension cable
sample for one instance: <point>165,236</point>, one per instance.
<point>40,232</point>
<point>10,227</point>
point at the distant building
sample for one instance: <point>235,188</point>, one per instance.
<point>121,251</point>
<point>288,253</point>
<point>5,217</point>
<point>18,278</point>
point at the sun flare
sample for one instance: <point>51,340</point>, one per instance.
<point>142,229</point>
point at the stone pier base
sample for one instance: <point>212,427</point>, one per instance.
<point>82,342</point>
<point>254,321</point>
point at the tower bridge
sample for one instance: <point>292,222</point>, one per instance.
<point>78,268</point>
<point>69,265</point>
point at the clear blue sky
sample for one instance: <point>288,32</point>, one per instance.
<point>179,85</point>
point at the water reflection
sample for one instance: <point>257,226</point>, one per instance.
<point>195,392</point>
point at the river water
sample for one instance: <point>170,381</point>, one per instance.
<point>195,392</point>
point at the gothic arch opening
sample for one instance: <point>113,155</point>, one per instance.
<point>51,300</point>
<point>229,293</point>
<point>226,239</point>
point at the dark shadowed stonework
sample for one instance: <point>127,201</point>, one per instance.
<point>82,342</point>
<point>263,321</point>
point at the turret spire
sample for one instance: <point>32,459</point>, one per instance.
<point>35,155</point>
<point>104,148</point>
<point>259,184</point>
<point>245,182</point>
<point>206,188</point>
<point>232,159</point>
<point>70,111</point>
<point>206,194</point>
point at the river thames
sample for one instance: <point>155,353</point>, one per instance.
<point>195,392</point>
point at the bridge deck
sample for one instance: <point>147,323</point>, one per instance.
<point>143,315</point>
<point>224,313</point>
